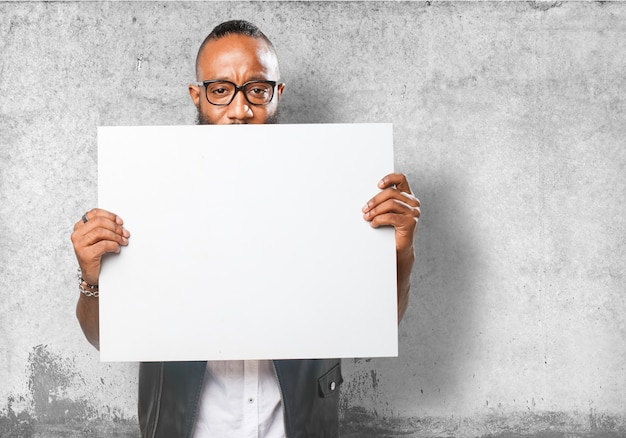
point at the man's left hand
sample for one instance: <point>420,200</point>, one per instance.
<point>395,206</point>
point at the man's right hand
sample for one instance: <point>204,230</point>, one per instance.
<point>97,233</point>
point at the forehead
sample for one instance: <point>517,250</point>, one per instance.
<point>237,57</point>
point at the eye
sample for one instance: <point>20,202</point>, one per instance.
<point>219,89</point>
<point>257,90</point>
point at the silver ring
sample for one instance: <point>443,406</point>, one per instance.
<point>84,218</point>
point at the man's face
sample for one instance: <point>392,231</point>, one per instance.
<point>239,59</point>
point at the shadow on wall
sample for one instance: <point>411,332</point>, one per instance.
<point>436,332</point>
<point>446,284</point>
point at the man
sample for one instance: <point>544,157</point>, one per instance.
<point>238,82</point>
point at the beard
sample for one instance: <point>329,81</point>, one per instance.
<point>202,120</point>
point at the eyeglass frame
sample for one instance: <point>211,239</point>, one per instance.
<point>238,88</point>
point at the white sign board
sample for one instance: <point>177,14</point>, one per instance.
<point>247,242</point>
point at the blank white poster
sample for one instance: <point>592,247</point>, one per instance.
<point>247,242</point>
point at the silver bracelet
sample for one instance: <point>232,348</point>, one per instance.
<point>89,290</point>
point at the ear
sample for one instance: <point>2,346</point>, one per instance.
<point>281,88</point>
<point>194,92</point>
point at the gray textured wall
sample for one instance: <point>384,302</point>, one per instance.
<point>509,121</point>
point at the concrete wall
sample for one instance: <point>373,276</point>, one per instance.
<point>509,119</point>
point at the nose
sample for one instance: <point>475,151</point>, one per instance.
<point>239,109</point>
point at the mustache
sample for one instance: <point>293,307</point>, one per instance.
<point>202,119</point>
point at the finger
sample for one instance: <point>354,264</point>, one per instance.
<point>106,222</point>
<point>388,194</point>
<point>96,213</point>
<point>103,234</point>
<point>402,223</point>
<point>395,179</point>
<point>92,246</point>
<point>97,250</point>
<point>392,206</point>
<point>99,229</point>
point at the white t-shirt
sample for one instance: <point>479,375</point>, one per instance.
<point>240,399</point>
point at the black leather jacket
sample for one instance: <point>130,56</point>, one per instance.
<point>169,394</point>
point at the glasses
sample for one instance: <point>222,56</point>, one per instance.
<point>222,93</point>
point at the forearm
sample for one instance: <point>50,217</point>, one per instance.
<point>405,260</point>
<point>396,206</point>
<point>88,314</point>
<point>97,233</point>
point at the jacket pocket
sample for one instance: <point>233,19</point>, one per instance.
<point>328,384</point>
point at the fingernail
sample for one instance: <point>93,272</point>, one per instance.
<point>119,220</point>
<point>365,207</point>
<point>124,240</point>
<point>381,183</point>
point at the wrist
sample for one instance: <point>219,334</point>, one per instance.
<point>87,276</point>
<point>406,254</point>
<point>86,288</point>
